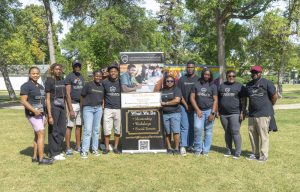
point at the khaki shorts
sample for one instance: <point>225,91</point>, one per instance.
<point>77,120</point>
<point>112,118</point>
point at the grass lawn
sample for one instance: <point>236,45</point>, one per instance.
<point>291,94</point>
<point>152,172</point>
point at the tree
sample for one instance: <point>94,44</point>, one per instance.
<point>220,12</point>
<point>50,31</point>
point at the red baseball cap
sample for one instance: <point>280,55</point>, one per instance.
<point>256,68</point>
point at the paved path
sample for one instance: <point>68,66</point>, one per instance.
<point>17,105</point>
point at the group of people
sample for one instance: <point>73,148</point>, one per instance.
<point>189,110</point>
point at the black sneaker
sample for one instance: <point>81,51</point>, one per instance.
<point>105,151</point>
<point>252,157</point>
<point>45,161</point>
<point>170,151</point>
<point>116,151</point>
<point>35,160</point>
<point>227,154</point>
<point>190,149</point>
<point>176,152</point>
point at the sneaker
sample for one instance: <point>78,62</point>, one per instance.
<point>176,152</point>
<point>45,161</point>
<point>197,153</point>
<point>62,154</point>
<point>84,155</point>
<point>236,157</point>
<point>96,153</point>
<point>205,154</point>
<point>35,160</point>
<point>252,157</point>
<point>190,149</point>
<point>170,151</point>
<point>59,158</point>
<point>77,150</point>
<point>182,151</point>
<point>116,151</point>
<point>105,151</point>
<point>262,159</point>
<point>227,154</point>
<point>69,152</point>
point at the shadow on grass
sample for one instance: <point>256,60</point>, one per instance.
<point>222,150</point>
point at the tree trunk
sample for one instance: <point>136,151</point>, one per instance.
<point>281,74</point>
<point>221,45</point>
<point>49,31</point>
<point>9,87</point>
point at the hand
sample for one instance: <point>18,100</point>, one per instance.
<point>199,113</point>
<point>217,115</point>
<point>211,117</point>
<point>50,120</point>
<point>187,108</point>
<point>242,117</point>
<point>139,86</point>
<point>37,113</point>
<point>72,114</point>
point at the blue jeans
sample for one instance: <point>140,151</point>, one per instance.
<point>200,124</point>
<point>172,123</point>
<point>92,120</point>
<point>186,127</point>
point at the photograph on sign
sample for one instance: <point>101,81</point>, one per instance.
<point>140,78</point>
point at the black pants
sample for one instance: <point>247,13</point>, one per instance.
<point>57,131</point>
<point>231,125</point>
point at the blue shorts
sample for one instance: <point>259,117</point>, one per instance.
<point>172,123</point>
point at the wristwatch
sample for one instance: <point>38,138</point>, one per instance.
<point>214,113</point>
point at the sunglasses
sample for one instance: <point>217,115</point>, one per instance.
<point>231,76</point>
<point>170,81</point>
<point>255,72</point>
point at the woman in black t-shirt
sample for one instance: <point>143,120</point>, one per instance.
<point>91,103</point>
<point>33,98</point>
<point>56,108</point>
<point>204,99</point>
<point>170,97</point>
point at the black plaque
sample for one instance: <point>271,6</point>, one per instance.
<point>141,58</point>
<point>142,129</point>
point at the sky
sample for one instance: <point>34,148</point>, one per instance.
<point>150,5</point>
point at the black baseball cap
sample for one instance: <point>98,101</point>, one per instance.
<point>76,63</point>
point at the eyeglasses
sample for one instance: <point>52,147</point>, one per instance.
<point>170,81</point>
<point>231,76</point>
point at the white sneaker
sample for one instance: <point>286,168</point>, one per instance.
<point>182,151</point>
<point>62,154</point>
<point>59,158</point>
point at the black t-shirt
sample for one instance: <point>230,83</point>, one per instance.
<point>112,94</point>
<point>260,93</point>
<point>56,88</point>
<point>204,94</point>
<point>77,83</point>
<point>168,95</point>
<point>92,94</point>
<point>229,98</point>
<point>35,94</point>
<point>185,84</point>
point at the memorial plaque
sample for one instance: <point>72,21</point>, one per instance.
<point>142,130</point>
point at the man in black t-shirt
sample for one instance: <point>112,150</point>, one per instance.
<point>112,108</point>
<point>185,84</point>
<point>74,84</point>
<point>262,96</point>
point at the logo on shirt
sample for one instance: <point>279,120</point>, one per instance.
<point>112,89</point>
<point>227,90</point>
<point>77,83</point>
<point>203,92</point>
<point>227,93</point>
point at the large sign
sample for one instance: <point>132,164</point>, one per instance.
<point>142,131</point>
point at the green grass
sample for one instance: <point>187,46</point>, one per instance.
<point>291,94</point>
<point>152,172</point>
<point>4,97</point>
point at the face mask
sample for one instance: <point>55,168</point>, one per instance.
<point>77,73</point>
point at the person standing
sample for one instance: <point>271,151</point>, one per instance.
<point>185,84</point>
<point>112,108</point>
<point>262,96</point>
<point>171,96</point>
<point>231,110</point>
<point>74,84</point>
<point>32,96</point>
<point>55,99</point>
<point>91,102</point>
<point>204,99</point>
